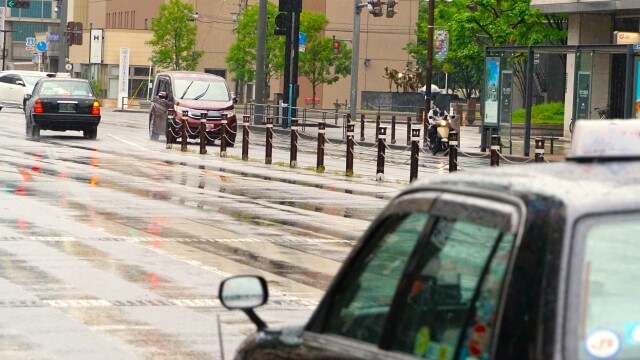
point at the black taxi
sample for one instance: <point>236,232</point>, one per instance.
<point>539,261</point>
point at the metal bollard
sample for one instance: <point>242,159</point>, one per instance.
<point>320,152</point>
<point>168,134</point>
<point>223,136</point>
<point>246,120</point>
<point>203,133</point>
<point>393,129</point>
<point>539,156</point>
<point>377,123</point>
<point>361,127</point>
<point>350,144</point>
<point>268,150</point>
<point>185,125</point>
<point>453,151</point>
<point>293,157</point>
<point>495,148</point>
<point>382,139</point>
<point>409,131</point>
<point>415,153</point>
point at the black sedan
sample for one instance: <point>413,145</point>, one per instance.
<point>62,104</point>
<point>539,261</point>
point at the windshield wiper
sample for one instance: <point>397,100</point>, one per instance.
<point>201,95</point>
<point>185,90</point>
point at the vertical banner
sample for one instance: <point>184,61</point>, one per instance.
<point>492,77</point>
<point>583,95</point>
<point>636,90</point>
<point>123,76</point>
<point>95,46</point>
<point>440,44</point>
<point>505,98</point>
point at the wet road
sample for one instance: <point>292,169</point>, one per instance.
<point>114,248</point>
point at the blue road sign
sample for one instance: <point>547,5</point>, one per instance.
<point>302,39</point>
<point>11,3</point>
<point>41,46</point>
<point>30,41</point>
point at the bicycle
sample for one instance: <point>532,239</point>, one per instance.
<point>603,113</point>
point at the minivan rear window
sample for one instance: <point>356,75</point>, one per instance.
<point>609,318</point>
<point>201,89</point>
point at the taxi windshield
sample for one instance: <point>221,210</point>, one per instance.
<point>609,312</point>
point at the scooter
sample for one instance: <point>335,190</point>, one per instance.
<point>443,126</point>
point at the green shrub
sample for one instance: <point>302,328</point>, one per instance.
<point>543,114</point>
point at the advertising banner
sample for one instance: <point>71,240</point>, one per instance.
<point>636,91</point>
<point>440,44</point>
<point>492,78</point>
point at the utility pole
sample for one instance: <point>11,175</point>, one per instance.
<point>355,54</point>
<point>429,63</point>
<point>63,50</point>
<point>291,12</point>
<point>260,62</point>
<point>4,45</point>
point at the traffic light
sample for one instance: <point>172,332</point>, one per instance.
<point>19,4</point>
<point>281,24</point>
<point>336,46</point>
<point>391,4</point>
<point>375,7</point>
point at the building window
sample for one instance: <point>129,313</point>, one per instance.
<point>126,20</point>
<point>146,24</point>
<point>108,22</point>
<point>133,20</point>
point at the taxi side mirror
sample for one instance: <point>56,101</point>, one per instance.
<point>245,292</point>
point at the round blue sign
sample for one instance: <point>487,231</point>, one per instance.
<point>302,39</point>
<point>41,46</point>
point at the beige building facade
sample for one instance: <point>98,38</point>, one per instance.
<point>126,23</point>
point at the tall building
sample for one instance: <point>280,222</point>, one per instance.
<point>126,23</point>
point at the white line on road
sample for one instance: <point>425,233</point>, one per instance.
<point>129,142</point>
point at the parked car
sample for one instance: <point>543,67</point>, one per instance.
<point>536,261</point>
<point>195,93</point>
<point>15,84</point>
<point>62,104</point>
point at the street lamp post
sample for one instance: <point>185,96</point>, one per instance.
<point>429,63</point>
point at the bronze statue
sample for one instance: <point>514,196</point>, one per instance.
<point>409,80</point>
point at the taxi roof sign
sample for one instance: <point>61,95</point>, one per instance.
<point>605,139</point>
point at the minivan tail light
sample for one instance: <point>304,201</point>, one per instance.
<point>37,107</point>
<point>95,110</point>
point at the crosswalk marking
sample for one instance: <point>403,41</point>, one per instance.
<point>145,239</point>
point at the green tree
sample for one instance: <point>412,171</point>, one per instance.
<point>481,23</point>
<point>174,37</point>
<point>318,63</point>
<point>241,58</point>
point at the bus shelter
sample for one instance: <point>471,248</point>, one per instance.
<point>594,81</point>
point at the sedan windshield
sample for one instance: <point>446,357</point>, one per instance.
<point>189,89</point>
<point>65,88</point>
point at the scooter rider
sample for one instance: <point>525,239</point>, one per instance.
<point>433,116</point>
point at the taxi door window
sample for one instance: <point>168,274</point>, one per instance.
<point>361,309</point>
<point>608,318</point>
<point>459,280</point>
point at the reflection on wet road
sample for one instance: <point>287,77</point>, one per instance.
<point>115,247</point>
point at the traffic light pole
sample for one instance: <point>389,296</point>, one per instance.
<point>63,50</point>
<point>355,54</point>
<point>260,63</point>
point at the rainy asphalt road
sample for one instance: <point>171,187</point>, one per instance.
<point>114,248</point>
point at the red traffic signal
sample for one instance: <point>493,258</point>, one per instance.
<point>391,4</point>
<point>336,47</point>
